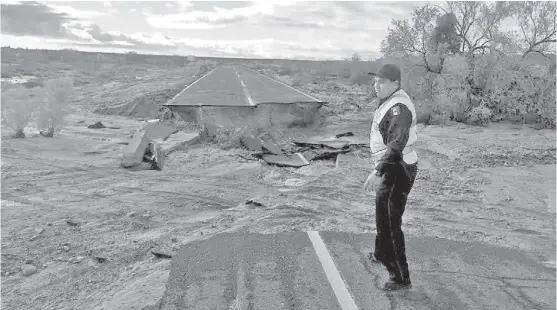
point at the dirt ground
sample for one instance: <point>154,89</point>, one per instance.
<point>66,202</point>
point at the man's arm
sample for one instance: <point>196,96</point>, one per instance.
<point>395,129</point>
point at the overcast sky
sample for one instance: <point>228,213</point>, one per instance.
<point>266,29</point>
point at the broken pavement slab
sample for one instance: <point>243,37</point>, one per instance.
<point>134,151</point>
<point>251,143</point>
<point>177,141</point>
<point>258,145</point>
<point>273,149</point>
<point>295,160</point>
<point>338,144</point>
<point>158,130</point>
<point>323,154</point>
<point>338,141</point>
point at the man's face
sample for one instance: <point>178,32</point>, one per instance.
<point>384,87</point>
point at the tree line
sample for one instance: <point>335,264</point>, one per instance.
<point>462,60</point>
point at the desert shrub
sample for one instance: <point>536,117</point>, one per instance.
<point>517,88</point>
<point>547,104</point>
<point>18,105</point>
<point>52,111</point>
<point>480,115</point>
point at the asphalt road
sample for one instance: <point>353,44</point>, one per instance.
<point>237,86</point>
<point>289,271</point>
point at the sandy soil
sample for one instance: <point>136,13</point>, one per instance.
<point>65,202</point>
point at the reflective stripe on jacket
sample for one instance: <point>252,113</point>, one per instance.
<point>379,139</point>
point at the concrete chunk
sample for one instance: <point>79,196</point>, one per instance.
<point>158,130</point>
<point>296,160</point>
<point>134,151</point>
<point>271,147</point>
<point>176,141</point>
<point>338,141</point>
<point>324,142</point>
<point>251,143</point>
<point>323,154</point>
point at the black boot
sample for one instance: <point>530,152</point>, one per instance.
<point>395,286</point>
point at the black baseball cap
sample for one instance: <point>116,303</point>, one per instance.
<point>388,71</point>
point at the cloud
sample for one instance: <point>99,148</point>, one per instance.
<point>16,20</point>
<point>107,4</point>
<point>340,15</point>
<point>305,29</point>
<point>184,6</point>
<point>61,22</point>
<point>218,17</point>
<point>294,23</point>
<point>75,13</point>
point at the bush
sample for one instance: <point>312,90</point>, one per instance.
<point>480,115</point>
<point>507,88</point>
<point>517,88</point>
<point>53,110</point>
<point>18,105</point>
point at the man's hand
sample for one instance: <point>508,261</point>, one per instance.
<point>372,182</point>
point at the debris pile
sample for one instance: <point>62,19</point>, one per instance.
<point>304,151</point>
<point>151,144</point>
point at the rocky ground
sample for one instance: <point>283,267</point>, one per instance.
<point>78,232</point>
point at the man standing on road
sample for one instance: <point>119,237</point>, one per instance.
<point>393,133</point>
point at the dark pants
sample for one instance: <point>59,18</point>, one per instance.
<point>390,203</point>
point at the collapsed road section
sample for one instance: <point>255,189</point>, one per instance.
<point>236,96</point>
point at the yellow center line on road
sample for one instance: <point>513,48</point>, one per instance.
<point>246,92</point>
<point>338,285</point>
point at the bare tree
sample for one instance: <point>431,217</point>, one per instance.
<point>412,39</point>
<point>537,25</point>
<point>478,24</point>
<point>431,36</point>
<point>355,57</point>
